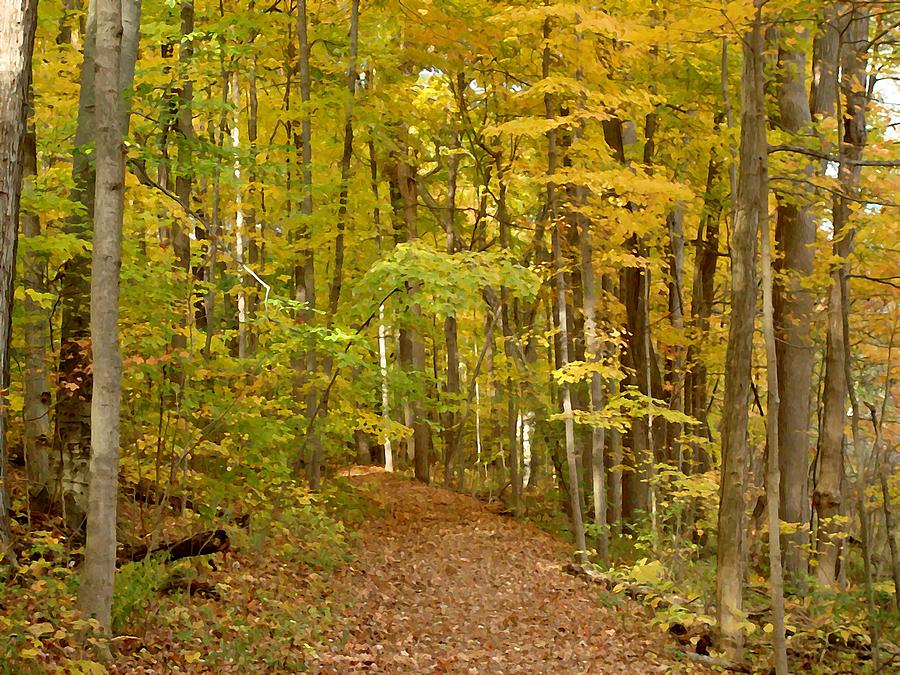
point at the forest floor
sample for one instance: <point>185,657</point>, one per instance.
<point>382,574</point>
<point>443,584</point>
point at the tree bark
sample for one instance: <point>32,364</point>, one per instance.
<point>795,235</point>
<point>70,458</point>
<point>337,278</point>
<point>827,496</point>
<point>749,203</point>
<point>451,337</point>
<point>95,593</point>
<point>560,316</point>
<point>36,409</point>
<point>306,271</point>
<point>17,26</point>
<point>706,257</point>
<point>773,423</point>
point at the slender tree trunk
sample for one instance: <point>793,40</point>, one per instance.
<point>706,257</point>
<point>17,26</point>
<point>451,437</point>
<point>827,496</point>
<point>239,233</point>
<point>561,318</point>
<point>749,202</point>
<point>512,414</point>
<point>407,191</point>
<point>594,352</point>
<point>306,286</point>
<point>95,593</point>
<point>69,460</point>
<point>337,278</point>
<point>184,176</point>
<point>676,365</point>
<point>382,328</point>
<point>36,409</point>
<point>773,423</point>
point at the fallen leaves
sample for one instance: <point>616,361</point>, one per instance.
<point>445,586</point>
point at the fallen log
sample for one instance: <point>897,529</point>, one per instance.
<point>202,543</point>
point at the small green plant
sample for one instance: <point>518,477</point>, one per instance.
<point>136,590</point>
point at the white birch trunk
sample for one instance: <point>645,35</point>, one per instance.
<point>385,390</point>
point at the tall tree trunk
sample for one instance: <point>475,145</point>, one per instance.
<point>239,228</point>
<point>676,364</point>
<point>512,413</point>
<point>706,257</point>
<point>36,409</point>
<point>773,423</point>
<point>306,272</point>
<point>560,316</point>
<point>451,437</point>
<point>795,235</point>
<point>827,496</point>
<point>17,26</point>
<point>593,351</point>
<point>95,593</point>
<point>70,458</point>
<point>382,328</point>
<point>334,294</point>
<point>749,203</point>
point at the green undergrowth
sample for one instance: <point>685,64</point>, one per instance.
<point>263,603</point>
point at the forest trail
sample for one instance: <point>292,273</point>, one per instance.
<point>443,585</point>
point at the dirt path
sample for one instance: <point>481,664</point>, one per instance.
<point>445,586</point>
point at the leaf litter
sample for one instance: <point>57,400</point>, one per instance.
<point>444,585</point>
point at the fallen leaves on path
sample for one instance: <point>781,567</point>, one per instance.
<point>443,585</point>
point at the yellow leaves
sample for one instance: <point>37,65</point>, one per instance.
<point>527,127</point>
<point>381,427</point>
<point>578,371</point>
<point>39,629</point>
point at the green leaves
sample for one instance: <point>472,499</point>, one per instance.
<point>443,283</point>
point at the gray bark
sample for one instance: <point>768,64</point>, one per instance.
<point>36,409</point>
<point>95,593</point>
<point>70,458</point>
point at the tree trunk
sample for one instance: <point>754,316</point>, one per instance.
<point>412,345</point>
<point>560,317</point>
<point>451,337</point>
<point>382,328</point>
<point>36,409</point>
<point>17,26</point>
<point>593,351</point>
<point>337,278</point>
<point>749,203</point>
<point>70,458</point>
<point>795,236</point>
<point>773,423</point>
<point>95,593</point>
<point>706,257</point>
<point>827,496</point>
<point>306,272</point>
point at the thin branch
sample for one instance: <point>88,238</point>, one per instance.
<point>799,149</point>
